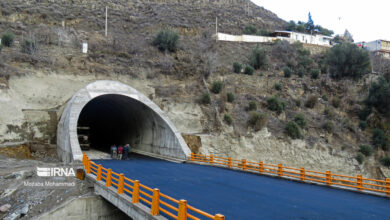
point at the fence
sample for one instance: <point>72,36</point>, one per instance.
<point>152,198</point>
<point>328,178</point>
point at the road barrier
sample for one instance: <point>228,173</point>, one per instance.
<point>152,198</point>
<point>328,178</point>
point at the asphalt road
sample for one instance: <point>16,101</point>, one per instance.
<point>239,195</point>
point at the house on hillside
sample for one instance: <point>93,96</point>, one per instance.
<point>378,46</point>
<point>291,36</point>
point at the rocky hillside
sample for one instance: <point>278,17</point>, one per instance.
<point>35,86</point>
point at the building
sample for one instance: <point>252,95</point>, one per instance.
<point>378,46</point>
<point>316,39</point>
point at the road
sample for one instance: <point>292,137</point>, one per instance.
<point>240,195</point>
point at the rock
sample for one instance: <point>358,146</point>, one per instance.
<point>13,216</point>
<point>24,210</point>
<point>5,208</point>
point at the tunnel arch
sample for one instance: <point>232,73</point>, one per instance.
<point>149,132</point>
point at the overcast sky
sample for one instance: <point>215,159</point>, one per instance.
<point>365,20</point>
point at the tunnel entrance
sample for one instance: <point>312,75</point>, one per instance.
<point>114,119</point>
<point>111,112</point>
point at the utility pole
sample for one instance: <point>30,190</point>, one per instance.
<point>216,29</point>
<point>106,23</point>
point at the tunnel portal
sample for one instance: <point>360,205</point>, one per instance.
<point>114,113</point>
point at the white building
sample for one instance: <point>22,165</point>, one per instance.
<point>378,46</point>
<point>316,39</point>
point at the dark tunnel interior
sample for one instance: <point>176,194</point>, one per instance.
<point>112,119</point>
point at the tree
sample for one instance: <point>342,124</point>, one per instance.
<point>258,58</point>
<point>166,40</point>
<point>310,24</point>
<point>379,96</point>
<point>348,36</point>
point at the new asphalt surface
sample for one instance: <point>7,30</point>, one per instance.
<point>240,195</point>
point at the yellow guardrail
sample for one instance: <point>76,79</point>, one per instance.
<point>155,200</point>
<point>328,178</point>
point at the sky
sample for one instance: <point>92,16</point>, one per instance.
<point>365,20</point>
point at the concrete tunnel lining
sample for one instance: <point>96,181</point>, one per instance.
<point>142,123</point>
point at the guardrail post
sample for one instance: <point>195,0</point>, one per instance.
<point>219,217</point>
<point>121,183</point>
<point>182,215</point>
<point>302,171</point>
<point>359,182</point>
<point>135,196</point>
<point>261,167</point>
<point>230,162</point>
<point>108,179</point>
<point>388,186</point>
<point>192,156</point>
<point>243,164</point>
<point>155,209</point>
<point>99,173</point>
<point>88,165</point>
<point>328,178</point>
<point>280,169</point>
<point>211,158</point>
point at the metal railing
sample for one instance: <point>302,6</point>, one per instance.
<point>328,178</point>
<point>152,198</point>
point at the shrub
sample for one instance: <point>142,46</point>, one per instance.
<point>28,47</point>
<point>300,120</point>
<point>7,39</point>
<point>277,86</point>
<point>379,139</point>
<point>348,60</point>
<point>293,130</point>
<point>328,126</point>
<point>336,102</point>
<point>230,97</point>
<point>287,72</point>
<point>311,101</point>
<point>216,87</point>
<point>275,104</point>
<point>206,98</point>
<point>298,102</point>
<point>248,70</point>
<point>385,161</point>
<point>166,40</point>
<point>325,98</point>
<point>258,58</point>
<point>379,96</point>
<point>301,71</point>
<point>237,67</point>
<point>360,157</point>
<point>250,29</point>
<point>364,113</point>
<point>1,47</point>
<point>252,106</point>
<point>228,119</point>
<point>257,121</point>
<point>314,73</point>
<point>363,125</point>
<point>305,61</point>
<point>365,149</point>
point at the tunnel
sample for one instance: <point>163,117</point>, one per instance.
<point>110,112</point>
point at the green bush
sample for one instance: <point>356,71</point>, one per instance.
<point>325,98</point>
<point>379,96</point>
<point>300,120</point>
<point>228,119</point>
<point>206,98</point>
<point>385,161</point>
<point>348,60</point>
<point>277,86</point>
<point>301,71</point>
<point>1,47</point>
<point>365,149</point>
<point>336,102</point>
<point>250,30</point>
<point>7,39</point>
<point>257,121</point>
<point>311,101</point>
<point>328,126</point>
<point>314,73</point>
<point>287,72</point>
<point>166,40</point>
<point>248,70</point>
<point>360,157</point>
<point>379,139</point>
<point>230,97</point>
<point>364,113</point>
<point>275,104</point>
<point>258,58</point>
<point>305,61</point>
<point>216,87</point>
<point>252,106</point>
<point>237,67</point>
<point>363,125</point>
<point>293,130</point>
<point>298,102</point>
<point>28,47</point>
